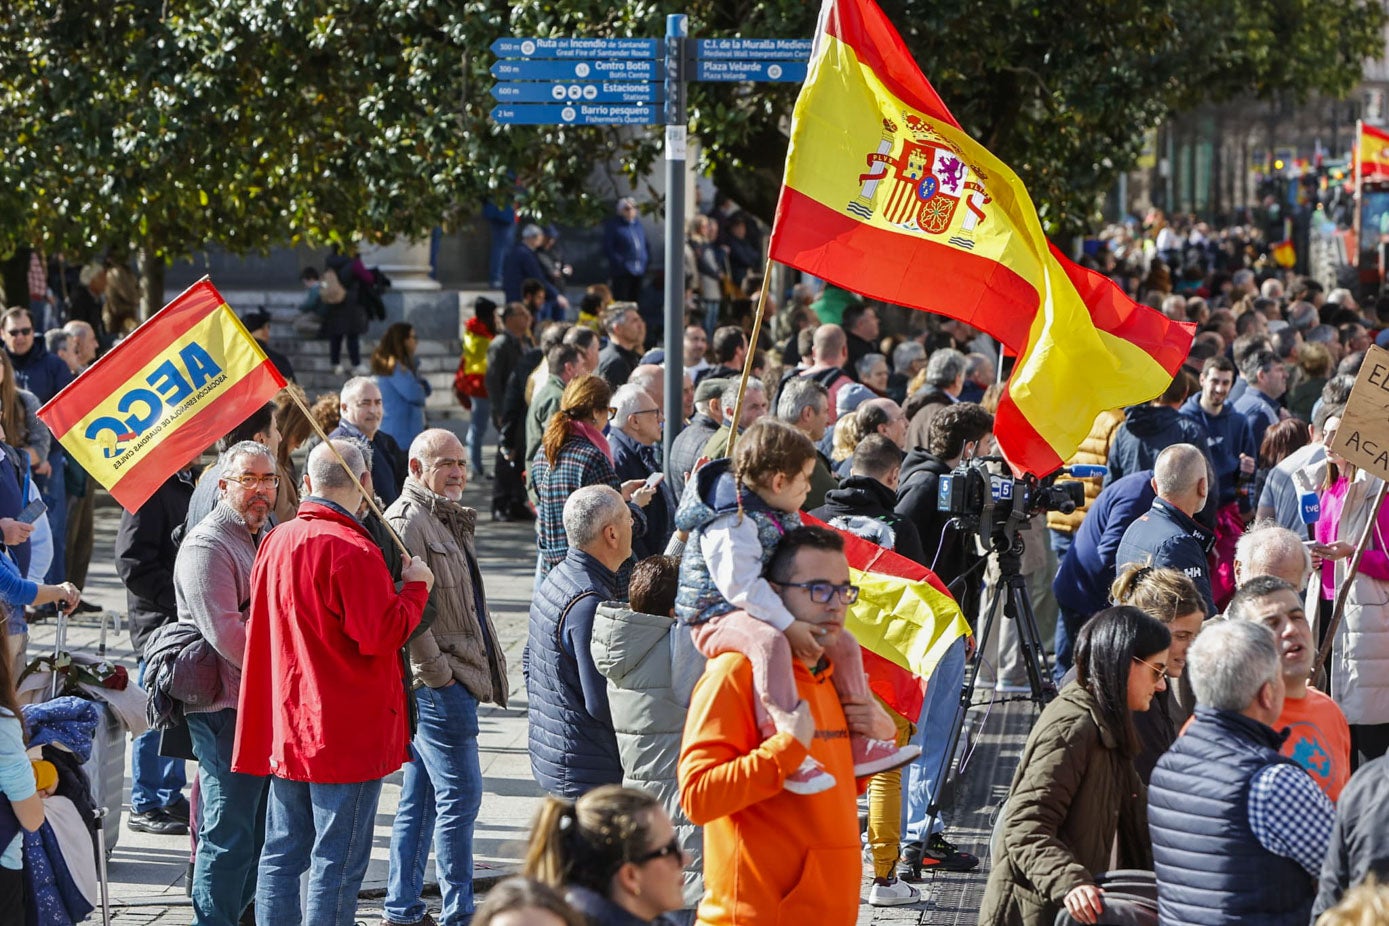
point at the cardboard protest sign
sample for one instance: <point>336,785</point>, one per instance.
<point>1363,437</point>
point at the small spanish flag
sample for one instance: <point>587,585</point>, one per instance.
<point>1284,254</point>
<point>1372,153</point>
<point>885,195</point>
<point>904,621</point>
<point>181,380</point>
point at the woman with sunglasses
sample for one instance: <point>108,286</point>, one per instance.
<point>575,453</point>
<point>613,852</point>
<point>1076,798</point>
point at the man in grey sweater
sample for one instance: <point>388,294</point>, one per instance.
<point>212,584</point>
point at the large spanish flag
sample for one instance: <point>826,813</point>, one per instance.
<point>904,620</point>
<point>1372,153</point>
<point>181,380</point>
<point>885,195</point>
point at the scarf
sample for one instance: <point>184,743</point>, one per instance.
<point>593,436</point>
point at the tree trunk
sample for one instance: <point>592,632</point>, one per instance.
<point>151,282</point>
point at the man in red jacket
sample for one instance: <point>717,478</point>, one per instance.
<point>322,707</point>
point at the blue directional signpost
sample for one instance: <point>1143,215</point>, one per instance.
<point>635,81</point>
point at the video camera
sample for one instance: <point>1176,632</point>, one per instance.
<point>995,504</point>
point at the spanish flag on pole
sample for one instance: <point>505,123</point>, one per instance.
<point>1372,153</point>
<point>904,620</point>
<point>885,195</point>
<point>183,379</point>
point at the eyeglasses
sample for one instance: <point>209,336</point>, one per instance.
<point>670,848</point>
<point>612,413</point>
<point>645,411</point>
<point>18,332</point>
<point>822,592</point>
<point>1159,672</point>
<point>251,480</point>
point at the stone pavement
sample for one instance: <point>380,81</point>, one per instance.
<point>147,872</point>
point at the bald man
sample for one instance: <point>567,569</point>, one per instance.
<point>1168,535</point>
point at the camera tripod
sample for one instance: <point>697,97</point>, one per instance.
<point>1011,593</point>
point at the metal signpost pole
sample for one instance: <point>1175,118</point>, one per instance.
<point>677,28</point>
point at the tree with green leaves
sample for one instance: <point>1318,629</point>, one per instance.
<point>165,127</point>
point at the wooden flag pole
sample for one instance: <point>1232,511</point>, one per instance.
<point>371,499</point>
<point>752,352</point>
<point>1318,676</point>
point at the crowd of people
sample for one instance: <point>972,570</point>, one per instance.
<point>701,721</point>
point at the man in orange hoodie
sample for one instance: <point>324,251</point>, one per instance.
<point>770,855</point>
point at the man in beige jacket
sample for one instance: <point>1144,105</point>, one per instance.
<point>457,664</point>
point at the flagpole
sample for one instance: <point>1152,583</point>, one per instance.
<point>332,448</point>
<point>752,352</point>
<point>1359,152</point>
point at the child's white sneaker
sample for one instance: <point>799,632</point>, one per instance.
<point>810,778</point>
<point>874,756</point>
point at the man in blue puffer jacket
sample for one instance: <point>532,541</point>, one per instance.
<point>573,746</point>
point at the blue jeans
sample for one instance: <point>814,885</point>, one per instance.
<point>325,830</point>
<point>919,784</point>
<point>477,430</point>
<point>1061,543</point>
<point>231,825</point>
<point>155,781</point>
<point>439,800</point>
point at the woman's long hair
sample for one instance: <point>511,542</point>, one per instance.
<point>392,350</point>
<point>582,397</point>
<point>9,700</point>
<point>13,414</point>
<point>1104,654</point>
<point>294,426</point>
<point>1280,440</point>
<point>585,842</point>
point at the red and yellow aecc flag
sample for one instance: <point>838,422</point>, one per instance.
<point>885,195</point>
<point>181,380</point>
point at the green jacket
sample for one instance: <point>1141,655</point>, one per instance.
<point>1074,794</point>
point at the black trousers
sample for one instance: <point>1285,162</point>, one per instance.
<point>626,287</point>
<point>11,895</point>
<point>508,485</point>
<point>1367,741</point>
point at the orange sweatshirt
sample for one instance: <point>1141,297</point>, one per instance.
<point>770,856</point>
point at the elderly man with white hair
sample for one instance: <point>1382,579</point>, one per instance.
<point>624,243</point>
<point>636,430</point>
<point>458,664</point>
<point>1239,831</point>
<point>1268,549</point>
<point>573,746</point>
<point>361,411</point>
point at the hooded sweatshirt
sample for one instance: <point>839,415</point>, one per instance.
<point>1228,435</point>
<point>867,498</point>
<point>1147,431</point>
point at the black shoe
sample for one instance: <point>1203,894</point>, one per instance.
<point>86,607</point>
<point>157,822</point>
<point>179,810</point>
<point>939,854</point>
<point>500,515</point>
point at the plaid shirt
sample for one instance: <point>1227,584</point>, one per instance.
<point>580,464</point>
<point>1290,815</point>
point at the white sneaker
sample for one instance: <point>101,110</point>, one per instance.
<point>340,370</point>
<point>362,369</point>
<point>810,778</point>
<point>890,892</point>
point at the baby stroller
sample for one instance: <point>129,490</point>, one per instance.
<point>78,710</point>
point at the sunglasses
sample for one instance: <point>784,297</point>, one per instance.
<point>18,332</point>
<point>1159,672</point>
<point>670,848</point>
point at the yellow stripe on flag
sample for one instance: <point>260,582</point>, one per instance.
<point>910,624</point>
<point>163,395</point>
<point>841,110</point>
